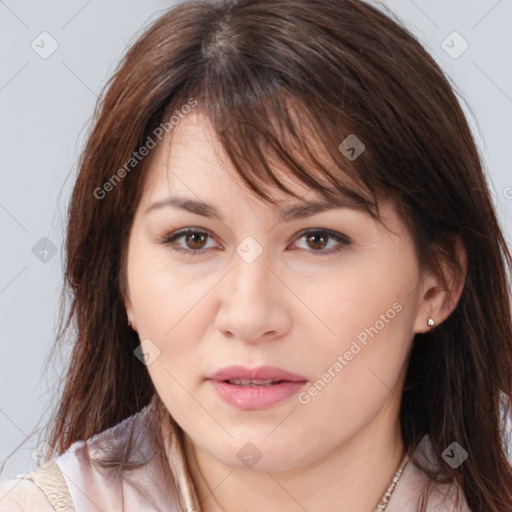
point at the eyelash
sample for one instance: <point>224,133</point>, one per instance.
<point>340,238</point>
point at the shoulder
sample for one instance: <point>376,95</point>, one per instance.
<point>95,474</point>
<point>122,464</point>
<point>416,487</point>
<point>444,497</point>
<point>22,495</point>
<point>43,489</point>
<point>66,482</point>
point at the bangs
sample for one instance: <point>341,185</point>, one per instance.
<point>278,134</point>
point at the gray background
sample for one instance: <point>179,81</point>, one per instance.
<point>45,107</point>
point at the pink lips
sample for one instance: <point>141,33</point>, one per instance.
<point>249,397</point>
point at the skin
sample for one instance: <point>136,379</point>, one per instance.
<point>294,308</point>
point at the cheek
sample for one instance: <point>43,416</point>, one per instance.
<point>162,295</point>
<point>363,340</point>
<point>169,308</point>
<point>365,298</point>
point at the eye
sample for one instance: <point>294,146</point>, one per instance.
<point>318,240</point>
<point>193,240</point>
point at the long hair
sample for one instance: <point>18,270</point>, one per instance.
<point>275,77</point>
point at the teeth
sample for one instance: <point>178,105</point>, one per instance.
<point>252,382</point>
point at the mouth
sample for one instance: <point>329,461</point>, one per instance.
<point>259,376</point>
<point>258,388</point>
<point>254,382</point>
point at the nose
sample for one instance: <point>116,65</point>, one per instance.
<point>253,302</point>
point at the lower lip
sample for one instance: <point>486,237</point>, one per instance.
<point>256,397</point>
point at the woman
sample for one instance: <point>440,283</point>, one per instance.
<point>288,282</point>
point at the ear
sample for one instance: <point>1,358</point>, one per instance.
<point>437,300</point>
<point>124,291</point>
<point>130,314</point>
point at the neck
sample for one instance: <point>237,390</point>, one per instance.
<point>354,476</point>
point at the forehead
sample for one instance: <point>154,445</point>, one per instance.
<point>191,171</point>
<point>191,159</point>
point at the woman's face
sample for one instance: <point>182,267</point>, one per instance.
<point>266,290</point>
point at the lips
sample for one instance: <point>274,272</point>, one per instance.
<point>262,375</point>
<point>254,382</point>
<point>256,388</point>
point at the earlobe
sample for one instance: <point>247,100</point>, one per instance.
<point>129,313</point>
<point>439,299</point>
<point>431,311</point>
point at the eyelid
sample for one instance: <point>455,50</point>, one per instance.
<point>169,238</point>
<point>342,239</point>
<point>330,232</point>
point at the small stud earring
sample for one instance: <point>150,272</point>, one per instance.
<point>430,322</point>
<point>129,323</point>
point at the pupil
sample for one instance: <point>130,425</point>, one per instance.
<point>316,239</point>
<point>195,235</point>
<point>312,237</point>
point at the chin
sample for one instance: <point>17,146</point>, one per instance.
<point>260,456</point>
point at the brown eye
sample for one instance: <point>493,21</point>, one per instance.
<point>317,240</point>
<point>195,240</point>
<point>188,241</point>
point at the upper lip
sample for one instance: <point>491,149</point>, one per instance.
<point>258,373</point>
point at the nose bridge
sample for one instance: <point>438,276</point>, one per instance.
<point>250,276</point>
<point>249,306</point>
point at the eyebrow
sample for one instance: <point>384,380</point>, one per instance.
<point>288,213</point>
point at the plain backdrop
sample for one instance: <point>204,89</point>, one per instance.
<point>54,58</point>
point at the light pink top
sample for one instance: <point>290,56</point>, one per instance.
<point>97,490</point>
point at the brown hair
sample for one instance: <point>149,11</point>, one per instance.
<point>262,72</point>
